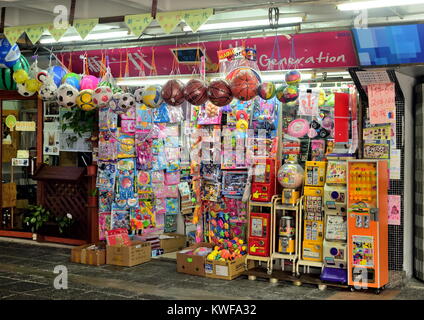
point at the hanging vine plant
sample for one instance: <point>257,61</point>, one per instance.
<point>80,121</point>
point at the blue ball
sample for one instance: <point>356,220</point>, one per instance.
<point>9,54</point>
<point>73,82</point>
<point>57,73</point>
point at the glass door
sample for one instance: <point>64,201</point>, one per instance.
<point>19,151</point>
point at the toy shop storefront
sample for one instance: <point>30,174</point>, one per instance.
<point>267,157</point>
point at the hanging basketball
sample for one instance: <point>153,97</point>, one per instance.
<point>266,90</point>
<point>196,92</point>
<point>244,85</point>
<point>173,92</point>
<point>219,93</point>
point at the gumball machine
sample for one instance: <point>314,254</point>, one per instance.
<point>290,176</point>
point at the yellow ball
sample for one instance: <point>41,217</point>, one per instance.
<point>85,100</point>
<point>32,85</point>
<point>20,76</point>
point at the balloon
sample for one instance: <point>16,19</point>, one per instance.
<point>89,82</point>
<point>20,76</point>
<point>9,54</point>
<point>57,73</point>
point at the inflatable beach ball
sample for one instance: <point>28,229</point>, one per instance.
<point>152,96</point>
<point>293,77</point>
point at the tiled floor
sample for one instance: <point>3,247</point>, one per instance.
<point>26,272</point>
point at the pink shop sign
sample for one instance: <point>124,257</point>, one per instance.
<point>305,51</point>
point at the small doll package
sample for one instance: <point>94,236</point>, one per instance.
<point>125,179</point>
<point>106,174</point>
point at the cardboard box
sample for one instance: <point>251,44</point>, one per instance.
<point>227,270</point>
<point>176,243</point>
<point>128,256</point>
<point>84,255</point>
<point>192,264</point>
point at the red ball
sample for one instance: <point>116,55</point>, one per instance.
<point>244,85</point>
<point>219,93</point>
<point>173,92</point>
<point>196,92</point>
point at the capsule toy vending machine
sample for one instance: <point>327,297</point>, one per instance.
<point>313,223</point>
<point>335,208</point>
<point>263,180</point>
<point>367,224</point>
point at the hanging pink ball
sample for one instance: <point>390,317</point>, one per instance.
<point>89,82</point>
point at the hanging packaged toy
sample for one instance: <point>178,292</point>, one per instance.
<point>209,114</point>
<point>318,150</point>
<point>105,201</point>
<point>159,190</point>
<point>104,225</point>
<point>171,191</point>
<point>172,206</point>
<point>108,146</point>
<point>170,223</point>
<point>107,120</point>
<point>210,171</point>
<point>175,114</point>
<point>233,183</point>
<point>172,178</point>
<point>158,176</point>
<point>125,182</point>
<point>160,205</point>
<point>144,153</point>
<point>144,118</point>
<point>161,114</point>
<point>120,218</point>
<point>128,121</point>
<point>126,145</point>
<point>144,187</point>
<point>211,191</point>
<point>106,174</point>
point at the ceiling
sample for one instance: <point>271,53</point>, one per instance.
<point>318,15</point>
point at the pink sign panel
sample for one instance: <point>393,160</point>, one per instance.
<point>303,51</point>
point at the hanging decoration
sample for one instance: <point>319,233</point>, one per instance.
<point>35,31</point>
<point>137,23</point>
<point>169,20</point>
<point>13,33</point>
<point>84,26</point>
<point>57,33</point>
<point>196,18</point>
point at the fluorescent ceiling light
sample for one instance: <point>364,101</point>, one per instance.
<point>94,36</point>
<point>360,5</point>
<point>246,23</point>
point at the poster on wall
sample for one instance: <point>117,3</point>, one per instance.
<point>71,142</point>
<point>51,142</point>
<point>394,210</point>
<point>51,108</point>
<point>363,251</point>
<point>395,164</point>
<point>377,133</point>
<point>381,100</point>
<point>376,150</point>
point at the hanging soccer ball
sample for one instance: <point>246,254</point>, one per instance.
<point>47,91</point>
<point>152,96</point>
<point>23,91</point>
<point>67,95</point>
<point>138,95</point>
<point>85,100</point>
<point>102,96</point>
<point>126,101</point>
<point>114,103</point>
